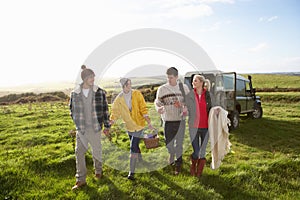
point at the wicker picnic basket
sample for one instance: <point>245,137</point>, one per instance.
<point>151,139</point>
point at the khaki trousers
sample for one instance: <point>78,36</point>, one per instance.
<point>82,143</point>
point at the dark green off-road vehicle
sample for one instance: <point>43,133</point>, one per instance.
<point>232,92</point>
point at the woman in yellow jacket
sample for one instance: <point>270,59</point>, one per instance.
<point>131,107</point>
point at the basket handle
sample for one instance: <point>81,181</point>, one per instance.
<point>154,132</point>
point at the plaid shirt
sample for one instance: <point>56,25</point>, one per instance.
<point>100,112</point>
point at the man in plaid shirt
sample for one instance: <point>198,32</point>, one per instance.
<point>89,111</point>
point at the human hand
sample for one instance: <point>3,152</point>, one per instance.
<point>107,134</point>
<point>106,131</point>
<point>161,110</point>
<point>184,111</point>
<point>177,104</point>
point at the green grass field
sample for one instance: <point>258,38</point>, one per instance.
<point>274,81</point>
<point>283,97</point>
<point>37,160</point>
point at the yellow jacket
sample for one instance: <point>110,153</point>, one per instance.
<point>134,120</point>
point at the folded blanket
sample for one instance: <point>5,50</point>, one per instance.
<point>218,135</point>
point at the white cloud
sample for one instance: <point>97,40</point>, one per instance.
<point>180,3</point>
<point>268,19</point>
<point>258,47</point>
<point>214,27</point>
<point>272,18</point>
<point>182,9</point>
<point>170,4</point>
<point>188,12</point>
<point>217,1</point>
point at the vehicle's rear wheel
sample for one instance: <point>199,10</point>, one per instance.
<point>258,112</point>
<point>234,120</point>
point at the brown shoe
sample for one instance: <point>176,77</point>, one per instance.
<point>78,185</point>
<point>98,176</point>
<point>177,169</point>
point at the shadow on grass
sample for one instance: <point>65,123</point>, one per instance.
<point>269,135</point>
<point>225,188</point>
<point>12,184</point>
<point>61,168</point>
<point>104,189</point>
<point>165,194</point>
<point>207,187</point>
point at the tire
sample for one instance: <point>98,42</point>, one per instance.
<point>258,112</point>
<point>234,120</point>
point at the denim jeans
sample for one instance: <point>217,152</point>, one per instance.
<point>135,138</point>
<point>135,151</point>
<point>199,147</point>
<point>174,135</point>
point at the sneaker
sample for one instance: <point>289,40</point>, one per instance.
<point>78,185</point>
<point>131,177</point>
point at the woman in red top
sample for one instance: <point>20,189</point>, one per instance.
<point>199,103</point>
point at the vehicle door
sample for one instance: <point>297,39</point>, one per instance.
<point>241,96</point>
<point>225,90</point>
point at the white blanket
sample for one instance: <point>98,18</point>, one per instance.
<point>218,135</point>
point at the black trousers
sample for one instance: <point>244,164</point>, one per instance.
<point>174,135</point>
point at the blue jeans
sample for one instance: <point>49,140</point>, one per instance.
<point>135,138</point>
<point>135,151</point>
<point>195,135</point>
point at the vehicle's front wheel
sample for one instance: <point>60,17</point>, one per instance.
<point>234,120</point>
<point>258,112</point>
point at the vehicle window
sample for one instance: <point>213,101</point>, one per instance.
<point>188,82</point>
<point>228,82</point>
<point>240,88</point>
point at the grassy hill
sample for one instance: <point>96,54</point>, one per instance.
<point>37,159</point>
<point>261,81</point>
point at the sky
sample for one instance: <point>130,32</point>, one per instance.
<point>48,41</point>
